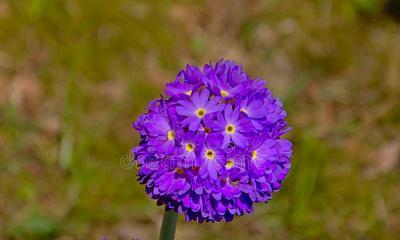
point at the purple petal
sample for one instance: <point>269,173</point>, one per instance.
<point>184,111</point>
<point>239,139</point>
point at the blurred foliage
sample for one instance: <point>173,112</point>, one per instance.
<point>75,74</point>
<point>35,227</point>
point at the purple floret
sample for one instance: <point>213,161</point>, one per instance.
<point>212,147</point>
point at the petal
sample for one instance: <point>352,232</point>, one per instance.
<point>257,125</point>
<point>196,100</point>
<point>220,123</point>
<point>184,111</point>
<point>212,171</point>
<point>158,125</point>
<point>184,189</point>
<point>240,140</point>
<point>189,120</point>
<point>203,171</point>
<point>220,208</point>
<point>194,125</point>
<point>217,195</point>
<point>204,96</point>
<point>214,140</point>
<point>235,114</point>
<point>228,113</point>
<point>227,140</point>
<point>187,104</point>
<point>213,106</point>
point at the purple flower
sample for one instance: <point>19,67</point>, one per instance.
<point>162,135</point>
<point>220,86</point>
<point>190,146</point>
<point>198,107</point>
<point>211,157</point>
<point>232,127</point>
<point>212,148</point>
<point>262,153</point>
<point>181,86</point>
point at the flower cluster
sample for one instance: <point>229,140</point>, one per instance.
<point>212,146</point>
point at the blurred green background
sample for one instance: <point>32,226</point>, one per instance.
<point>75,74</point>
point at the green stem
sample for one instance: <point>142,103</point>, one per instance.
<point>168,225</point>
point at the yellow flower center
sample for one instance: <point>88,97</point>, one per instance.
<point>230,129</point>
<point>229,164</point>
<point>170,135</point>
<point>188,92</point>
<point>189,147</point>
<point>224,93</point>
<point>200,112</point>
<point>210,154</point>
<point>253,154</point>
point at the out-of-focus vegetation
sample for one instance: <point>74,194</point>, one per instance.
<point>75,74</point>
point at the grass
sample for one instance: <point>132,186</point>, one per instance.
<point>75,74</point>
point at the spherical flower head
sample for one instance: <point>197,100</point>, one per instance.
<point>212,146</point>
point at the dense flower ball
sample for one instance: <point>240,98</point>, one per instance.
<point>212,147</point>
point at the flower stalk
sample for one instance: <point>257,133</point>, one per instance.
<point>168,225</point>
